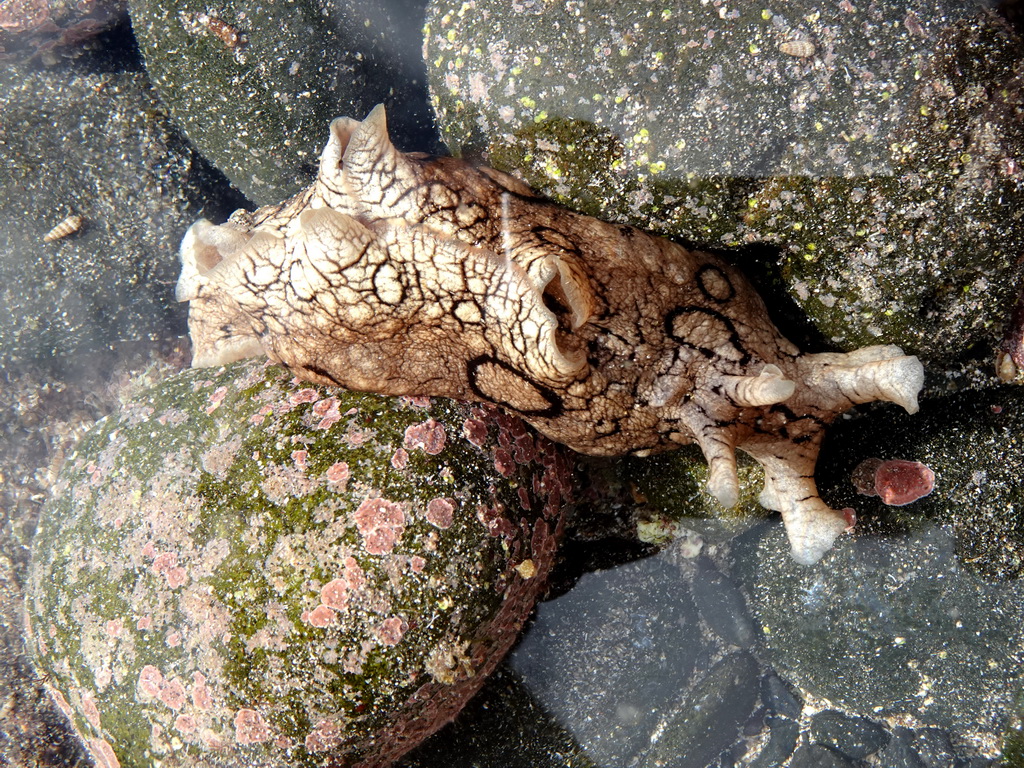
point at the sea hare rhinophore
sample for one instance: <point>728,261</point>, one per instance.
<point>405,274</point>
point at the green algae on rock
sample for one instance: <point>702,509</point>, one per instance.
<point>254,83</point>
<point>242,567</point>
<point>879,147</point>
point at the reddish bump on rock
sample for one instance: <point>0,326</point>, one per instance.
<point>900,482</point>
<point>896,481</point>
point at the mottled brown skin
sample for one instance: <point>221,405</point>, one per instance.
<point>412,275</point>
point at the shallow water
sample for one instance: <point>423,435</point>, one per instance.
<point>671,638</point>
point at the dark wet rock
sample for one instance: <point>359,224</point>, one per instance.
<point>98,145</point>
<point>30,28</point>
<point>721,605</point>
<point>817,756</point>
<point>880,619</point>
<point>935,749</point>
<point>255,84</point>
<point>708,720</point>
<point>241,567</point>
<point>855,737</point>
<point>611,654</point>
<point>878,146</point>
<point>502,727</point>
<point>782,737</point>
<point>970,441</point>
<point>779,697</point>
<point>900,752</point>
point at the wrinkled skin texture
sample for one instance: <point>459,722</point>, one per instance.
<point>410,275</point>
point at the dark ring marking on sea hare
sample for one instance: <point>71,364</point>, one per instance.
<point>430,276</point>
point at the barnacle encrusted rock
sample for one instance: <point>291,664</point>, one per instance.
<point>240,568</point>
<point>410,275</point>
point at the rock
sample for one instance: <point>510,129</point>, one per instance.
<point>944,205</point>
<point>779,697</point>
<point>817,756</point>
<point>96,144</point>
<point>881,620</point>
<point>709,719</point>
<point>782,737</point>
<point>855,737</point>
<point>255,84</point>
<point>968,441</point>
<point>504,725</point>
<point>722,606</point>
<point>242,568</point>
<point>899,752</point>
<point>872,144</point>
<point>608,656</point>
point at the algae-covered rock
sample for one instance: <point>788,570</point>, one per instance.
<point>925,254</point>
<point>255,84</point>
<point>972,443</point>
<point>878,146</point>
<point>242,569</point>
<point>890,627</point>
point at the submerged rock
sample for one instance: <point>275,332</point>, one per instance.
<point>108,154</point>
<point>239,567</point>
<point>878,146</point>
<point>254,84</point>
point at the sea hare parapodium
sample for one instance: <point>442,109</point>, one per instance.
<point>405,274</point>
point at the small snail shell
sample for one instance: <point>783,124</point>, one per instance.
<point>66,228</point>
<point>802,49</point>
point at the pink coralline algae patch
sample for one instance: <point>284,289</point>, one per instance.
<point>113,627</point>
<point>172,693</point>
<point>475,431</point>
<point>896,481</point>
<point>261,415</point>
<point>430,436</point>
<point>216,398</point>
<point>250,727</point>
<point>440,513</point>
<point>381,523</point>
<point>327,411</point>
<point>200,693</point>
<point>400,459</point>
<point>166,563</point>
<point>150,681</point>
<point>305,395</point>
<point>391,630</point>
<point>417,564</point>
<point>185,724</point>
<point>325,736</point>
<point>337,474</point>
<point>92,714</point>
<point>334,594</point>
<point>300,457</point>
<point>321,616</point>
<point>152,685</point>
<point>146,622</point>
<point>503,462</point>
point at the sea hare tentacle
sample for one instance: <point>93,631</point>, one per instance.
<point>411,275</point>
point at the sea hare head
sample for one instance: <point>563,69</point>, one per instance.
<point>405,274</point>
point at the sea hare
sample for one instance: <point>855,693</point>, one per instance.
<point>406,274</point>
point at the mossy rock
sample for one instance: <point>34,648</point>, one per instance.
<point>255,84</point>
<point>239,568</point>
